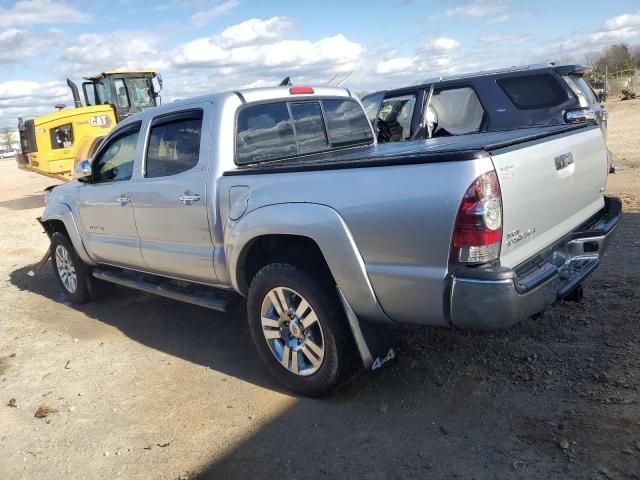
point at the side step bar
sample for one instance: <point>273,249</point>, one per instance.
<point>196,294</point>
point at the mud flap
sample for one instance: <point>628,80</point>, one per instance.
<point>373,340</point>
<point>46,256</point>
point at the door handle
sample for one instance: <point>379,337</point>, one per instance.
<point>188,198</point>
<point>124,199</point>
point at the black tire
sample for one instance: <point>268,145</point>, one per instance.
<point>81,293</point>
<point>320,293</point>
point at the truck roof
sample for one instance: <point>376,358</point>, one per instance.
<point>267,93</point>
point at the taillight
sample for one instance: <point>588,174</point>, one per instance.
<point>478,231</point>
<point>301,90</point>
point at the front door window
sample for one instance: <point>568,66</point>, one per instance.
<point>115,162</point>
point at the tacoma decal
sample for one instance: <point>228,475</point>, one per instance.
<point>518,235</point>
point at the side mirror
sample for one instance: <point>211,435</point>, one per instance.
<point>82,172</point>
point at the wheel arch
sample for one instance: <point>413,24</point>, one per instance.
<point>299,250</point>
<point>316,229</point>
<point>58,218</point>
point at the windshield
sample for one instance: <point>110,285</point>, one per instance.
<point>140,89</point>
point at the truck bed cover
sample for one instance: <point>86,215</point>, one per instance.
<point>442,149</point>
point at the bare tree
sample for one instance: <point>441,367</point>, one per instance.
<point>7,138</point>
<point>565,59</point>
<point>591,59</point>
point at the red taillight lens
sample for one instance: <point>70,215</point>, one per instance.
<point>478,230</point>
<point>301,90</point>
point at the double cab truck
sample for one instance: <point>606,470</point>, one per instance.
<point>279,199</point>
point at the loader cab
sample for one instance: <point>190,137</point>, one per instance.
<point>127,92</point>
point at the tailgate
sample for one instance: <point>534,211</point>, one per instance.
<point>549,187</point>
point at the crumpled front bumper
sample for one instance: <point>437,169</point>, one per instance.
<point>498,297</point>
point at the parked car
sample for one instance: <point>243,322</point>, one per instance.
<point>280,198</point>
<point>8,153</point>
<point>495,100</point>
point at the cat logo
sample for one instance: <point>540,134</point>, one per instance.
<point>100,121</point>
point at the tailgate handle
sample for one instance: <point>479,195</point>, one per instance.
<point>564,160</point>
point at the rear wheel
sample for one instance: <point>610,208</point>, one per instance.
<point>299,328</point>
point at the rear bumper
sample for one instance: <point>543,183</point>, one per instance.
<point>498,297</point>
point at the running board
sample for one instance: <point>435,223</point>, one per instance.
<point>194,293</point>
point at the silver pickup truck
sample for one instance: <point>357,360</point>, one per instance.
<point>282,197</point>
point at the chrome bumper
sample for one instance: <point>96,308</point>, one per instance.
<point>498,297</point>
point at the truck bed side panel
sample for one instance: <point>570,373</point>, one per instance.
<point>401,218</point>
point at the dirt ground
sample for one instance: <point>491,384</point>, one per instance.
<point>143,387</point>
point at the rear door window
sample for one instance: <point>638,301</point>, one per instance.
<point>174,144</point>
<point>533,91</point>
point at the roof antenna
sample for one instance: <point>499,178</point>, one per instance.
<point>286,82</point>
<point>330,81</point>
<point>341,82</point>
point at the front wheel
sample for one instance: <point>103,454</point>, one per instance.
<point>299,328</point>
<point>71,272</point>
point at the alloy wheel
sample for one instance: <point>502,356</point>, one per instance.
<point>66,269</point>
<point>293,331</point>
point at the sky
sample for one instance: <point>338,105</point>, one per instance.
<point>209,46</point>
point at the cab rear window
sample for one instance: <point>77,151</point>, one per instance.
<point>264,132</point>
<point>533,91</point>
<point>276,130</point>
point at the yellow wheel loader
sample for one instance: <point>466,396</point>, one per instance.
<point>52,143</point>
